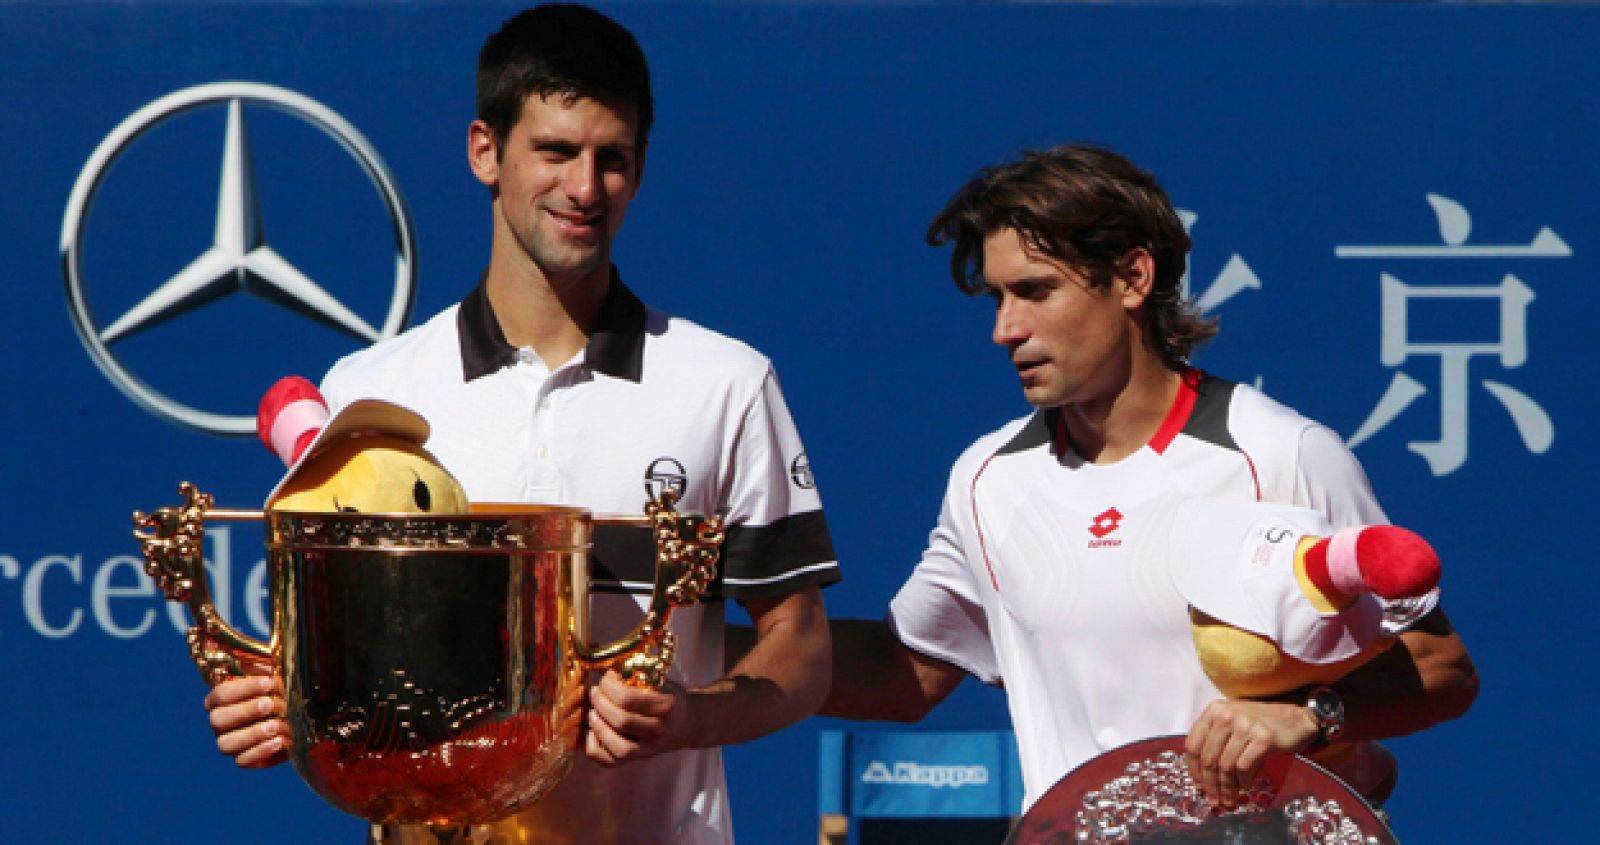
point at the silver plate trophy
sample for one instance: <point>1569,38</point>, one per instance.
<point>1142,793</point>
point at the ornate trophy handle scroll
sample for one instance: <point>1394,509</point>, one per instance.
<point>171,539</point>
<point>684,570</point>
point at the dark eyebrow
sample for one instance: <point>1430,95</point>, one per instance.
<point>562,142</point>
<point>1032,279</point>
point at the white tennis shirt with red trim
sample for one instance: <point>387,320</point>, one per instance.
<point>654,400</point>
<point>1049,575</point>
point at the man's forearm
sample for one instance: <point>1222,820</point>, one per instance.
<point>780,678</point>
<point>1425,678</point>
<point>876,678</point>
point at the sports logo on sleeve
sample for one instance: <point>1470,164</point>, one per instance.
<point>800,472</point>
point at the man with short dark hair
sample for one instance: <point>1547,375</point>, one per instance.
<point>552,383</point>
<point>1040,576</point>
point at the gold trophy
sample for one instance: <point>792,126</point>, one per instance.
<point>433,664</point>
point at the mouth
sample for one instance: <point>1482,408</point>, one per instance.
<point>576,224</point>
<point>1029,370</point>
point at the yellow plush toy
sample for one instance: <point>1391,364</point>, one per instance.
<point>1279,601</point>
<point>368,459</point>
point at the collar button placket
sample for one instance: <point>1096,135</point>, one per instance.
<point>545,475</point>
<point>533,381</point>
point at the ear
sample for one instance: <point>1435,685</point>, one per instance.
<point>483,153</point>
<point>1136,278</point>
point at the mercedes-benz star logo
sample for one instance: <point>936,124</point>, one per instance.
<point>239,259</point>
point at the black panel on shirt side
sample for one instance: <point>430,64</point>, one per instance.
<point>1208,421</point>
<point>1037,431</point>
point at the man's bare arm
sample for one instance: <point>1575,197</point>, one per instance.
<point>875,676</point>
<point>779,678</point>
<point>1425,679</point>
<point>878,678</point>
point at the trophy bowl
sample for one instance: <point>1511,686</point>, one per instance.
<point>433,665</point>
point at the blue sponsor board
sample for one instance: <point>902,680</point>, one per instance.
<point>919,774</point>
<point>1394,216</point>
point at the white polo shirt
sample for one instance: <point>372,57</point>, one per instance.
<point>1051,574</point>
<point>653,400</point>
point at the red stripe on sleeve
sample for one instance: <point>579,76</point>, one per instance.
<point>983,546</point>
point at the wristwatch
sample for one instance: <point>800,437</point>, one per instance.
<point>1328,709</point>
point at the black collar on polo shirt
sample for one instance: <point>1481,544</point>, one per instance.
<point>616,346</point>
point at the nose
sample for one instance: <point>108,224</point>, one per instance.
<point>582,180</point>
<point>1010,329</point>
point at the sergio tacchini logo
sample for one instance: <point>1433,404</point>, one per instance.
<point>239,259</point>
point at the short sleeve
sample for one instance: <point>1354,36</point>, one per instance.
<point>778,540</point>
<point>1328,478</point>
<point>939,611</point>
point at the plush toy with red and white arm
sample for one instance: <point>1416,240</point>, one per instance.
<point>368,458</point>
<point>1321,616</point>
<point>1279,601</point>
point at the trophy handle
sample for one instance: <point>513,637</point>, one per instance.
<point>171,540</point>
<point>684,569</point>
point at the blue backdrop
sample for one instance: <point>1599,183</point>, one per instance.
<point>1394,216</point>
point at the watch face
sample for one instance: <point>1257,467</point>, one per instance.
<point>1328,707</point>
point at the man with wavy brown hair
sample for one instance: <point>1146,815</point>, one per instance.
<point>1046,571</point>
<point>1088,207</point>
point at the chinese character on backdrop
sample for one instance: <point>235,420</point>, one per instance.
<point>1401,343</point>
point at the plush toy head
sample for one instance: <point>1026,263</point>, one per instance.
<point>371,473</point>
<point>369,458</point>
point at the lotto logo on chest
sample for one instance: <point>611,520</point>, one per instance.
<point>1103,527</point>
